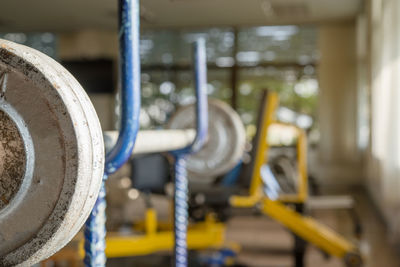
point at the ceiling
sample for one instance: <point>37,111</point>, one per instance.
<point>71,15</point>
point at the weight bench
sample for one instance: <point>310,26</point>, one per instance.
<point>251,191</point>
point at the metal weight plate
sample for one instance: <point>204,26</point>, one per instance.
<point>51,156</point>
<point>225,145</point>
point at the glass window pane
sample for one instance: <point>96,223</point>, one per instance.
<point>282,44</point>
<point>164,91</point>
<point>174,47</point>
<point>297,90</point>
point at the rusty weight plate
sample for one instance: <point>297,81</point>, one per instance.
<point>51,156</point>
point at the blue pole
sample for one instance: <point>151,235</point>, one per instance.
<point>181,182</point>
<point>200,71</point>
<point>129,29</point>
<point>180,211</point>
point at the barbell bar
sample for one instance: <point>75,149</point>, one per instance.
<point>152,141</point>
<point>222,151</point>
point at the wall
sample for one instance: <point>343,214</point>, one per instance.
<point>383,79</point>
<point>339,158</point>
<point>93,44</point>
<point>89,44</point>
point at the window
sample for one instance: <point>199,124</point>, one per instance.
<point>280,58</point>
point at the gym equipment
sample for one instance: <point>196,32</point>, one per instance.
<point>302,226</point>
<point>129,40</point>
<point>136,245</point>
<point>129,28</point>
<point>217,156</point>
<point>208,232</point>
<point>95,231</point>
<point>152,141</point>
<point>225,144</point>
<point>51,155</point>
<point>181,182</point>
<point>119,246</point>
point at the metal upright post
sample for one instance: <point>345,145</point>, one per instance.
<point>181,182</point>
<point>129,29</point>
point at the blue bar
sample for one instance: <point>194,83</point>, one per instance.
<point>181,181</point>
<point>129,29</point>
<point>200,76</point>
<point>200,69</point>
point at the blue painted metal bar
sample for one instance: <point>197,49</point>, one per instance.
<point>200,69</point>
<point>180,211</point>
<point>231,178</point>
<point>181,182</point>
<point>129,29</point>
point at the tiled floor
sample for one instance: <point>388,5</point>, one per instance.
<point>265,243</point>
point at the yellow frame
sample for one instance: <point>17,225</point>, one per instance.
<point>305,227</point>
<point>309,229</point>
<point>255,191</point>
<point>204,235</point>
<point>301,146</point>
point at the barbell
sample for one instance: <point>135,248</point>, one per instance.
<point>225,145</point>
<point>51,156</point>
<point>222,151</point>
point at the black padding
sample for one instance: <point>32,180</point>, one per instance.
<point>247,169</point>
<point>150,172</point>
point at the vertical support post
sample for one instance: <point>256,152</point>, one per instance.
<point>180,212</point>
<point>95,233</point>
<point>129,29</point>
<point>300,246</point>
<point>267,114</point>
<point>181,182</point>
<point>302,165</point>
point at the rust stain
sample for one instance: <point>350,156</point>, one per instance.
<point>5,201</point>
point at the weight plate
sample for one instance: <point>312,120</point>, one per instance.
<point>225,145</point>
<point>51,156</point>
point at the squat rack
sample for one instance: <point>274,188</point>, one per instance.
<point>130,71</point>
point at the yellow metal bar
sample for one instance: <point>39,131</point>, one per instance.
<point>202,236</point>
<point>161,226</point>
<point>246,201</point>
<point>255,191</point>
<point>302,165</point>
<point>262,152</point>
<point>205,235</point>
<point>151,221</point>
<point>308,229</point>
<point>302,182</point>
